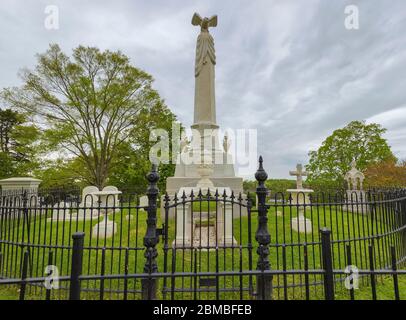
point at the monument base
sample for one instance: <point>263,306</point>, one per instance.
<point>196,230</point>
<point>174,184</point>
<point>204,244</point>
<point>104,229</point>
<point>302,224</point>
<point>300,196</point>
<point>356,202</point>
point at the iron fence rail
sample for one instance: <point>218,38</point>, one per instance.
<point>204,245</point>
<point>74,288</point>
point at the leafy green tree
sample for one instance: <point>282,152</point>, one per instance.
<point>18,148</point>
<point>7,169</point>
<point>279,185</point>
<point>133,156</point>
<point>62,174</point>
<point>8,120</point>
<point>358,140</point>
<point>90,104</point>
<point>129,174</point>
<point>249,186</point>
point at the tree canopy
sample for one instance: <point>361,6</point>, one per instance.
<point>18,149</point>
<point>90,106</point>
<point>386,174</point>
<point>357,141</point>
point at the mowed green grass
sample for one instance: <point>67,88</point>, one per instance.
<point>287,250</point>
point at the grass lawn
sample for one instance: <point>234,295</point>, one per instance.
<point>288,249</point>
<point>384,290</point>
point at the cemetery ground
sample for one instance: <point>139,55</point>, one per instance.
<point>128,240</point>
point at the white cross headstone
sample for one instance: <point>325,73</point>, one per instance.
<point>299,173</point>
<point>300,198</point>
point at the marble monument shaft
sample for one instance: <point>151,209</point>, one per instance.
<point>205,102</point>
<point>221,173</point>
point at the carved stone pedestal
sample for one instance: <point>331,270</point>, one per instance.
<point>300,198</point>
<point>190,231</point>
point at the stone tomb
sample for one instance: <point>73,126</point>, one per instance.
<point>300,198</point>
<point>18,185</point>
<point>142,203</point>
<point>356,196</point>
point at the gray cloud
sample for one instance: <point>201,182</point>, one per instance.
<point>288,68</point>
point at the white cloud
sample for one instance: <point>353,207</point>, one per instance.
<point>288,68</point>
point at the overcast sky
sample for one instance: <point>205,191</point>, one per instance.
<point>287,68</point>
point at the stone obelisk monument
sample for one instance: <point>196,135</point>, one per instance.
<point>205,101</point>
<point>221,173</point>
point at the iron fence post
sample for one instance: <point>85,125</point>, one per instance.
<point>149,285</point>
<point>403,223</point>
<point>24,271</point>
<point>26,224</point>
<point>262,236</point>
<point>327,263</point>
<point>48,290</point>
<point>76,270</point>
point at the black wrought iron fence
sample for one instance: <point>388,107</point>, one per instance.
<point>206,244</point>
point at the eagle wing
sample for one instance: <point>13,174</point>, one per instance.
<point>213,21</point>
<point>197,19</point>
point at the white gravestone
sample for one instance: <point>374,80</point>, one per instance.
<point>108,198</point>
<point>88,206</point>
<point>144,201</point>
<point>61,212</point>
<point>104,229</point>
<point>300,198</point>
<point>95,201</point>
<point>107,201</point>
